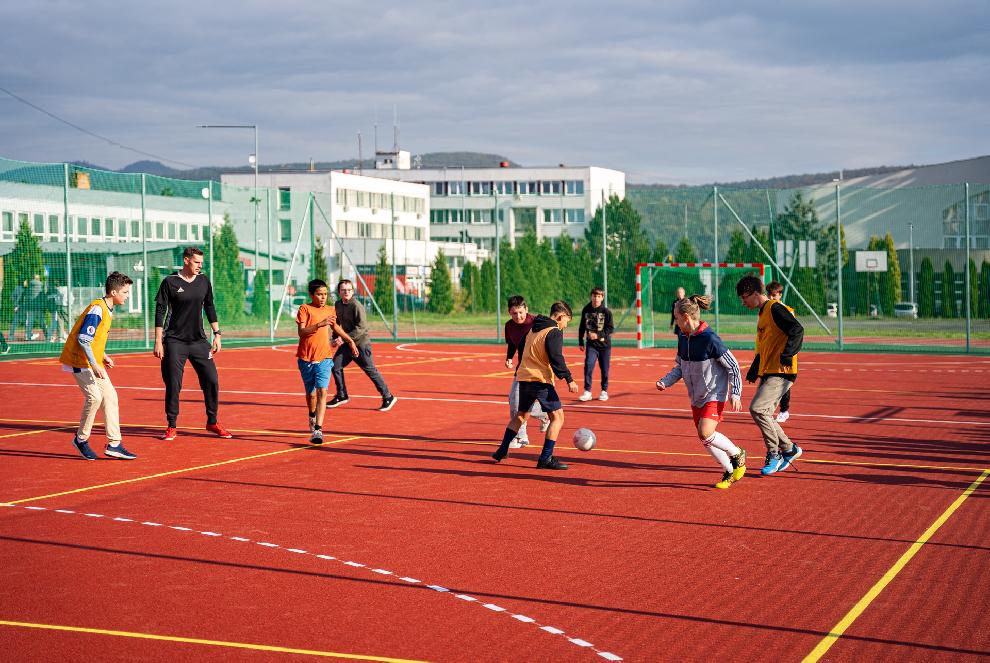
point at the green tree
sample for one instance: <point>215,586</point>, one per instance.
<point>926,289</point>
<point>738,247</point>
<point>828,262</point>
<point>983,291</point>
<point>685,252</point>
<point>754,254</point>
<point>441,289</point>
<point>261,296</point>
<point>949,292</point>
<point>228,275</point>
<point>799,223</point>
<point>319,261</point>
<point>383,281</point>
<point>626,244</point>
<point>486,287</point>
<point>514,281</point>
<point>892,288</point>
<point>19,265</point>
<point>470,280</point>
<point>974,290</point>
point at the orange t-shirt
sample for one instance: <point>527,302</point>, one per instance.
<point>315,347</point>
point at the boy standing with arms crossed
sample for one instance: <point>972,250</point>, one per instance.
<point>542,359</point>
<point>84,355</point>
<point>778,340</point>
<point>596,323</point>
<point>314,356</point>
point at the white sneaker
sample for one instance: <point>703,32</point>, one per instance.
<point>518,443</point>
<point>783,416</point>
<point>603,396</point>
<point>586,396</point>
<point>544,424</point>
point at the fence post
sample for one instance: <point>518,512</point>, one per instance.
<point>966,283</point>
<point>838,261</point>
<point>604,249</point>
<point>147,267</point>
<point>68,244</point>
<point>395,289</point>
<point>271,285</point>
<point>312,239</point>
<point>716,284</point>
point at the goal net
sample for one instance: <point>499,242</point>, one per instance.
<point>657,284</point>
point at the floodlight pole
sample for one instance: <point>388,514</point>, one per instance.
<point>838,261</point>
<point>966,284</point>
<point>911,260</point>
<point>715,284</point>
<point>498,269</point>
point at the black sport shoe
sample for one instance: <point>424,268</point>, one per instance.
<point>337,400</point>
<point>387,404</point>
<point>551,464</point>
<point>497,458</point>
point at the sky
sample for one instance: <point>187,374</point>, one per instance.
<point>669,92</point>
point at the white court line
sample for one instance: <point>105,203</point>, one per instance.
<point>575,406</point>
<point>464,597</point>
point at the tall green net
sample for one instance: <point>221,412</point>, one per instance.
<point>658,285</point>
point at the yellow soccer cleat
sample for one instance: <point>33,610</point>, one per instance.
<point>738,465</point>
<point>727,480</point>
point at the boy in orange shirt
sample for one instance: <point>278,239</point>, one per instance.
<point>314,355</point>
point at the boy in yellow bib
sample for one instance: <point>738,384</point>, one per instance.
<point>84,355</point>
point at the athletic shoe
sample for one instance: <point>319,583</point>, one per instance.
<point>783,416</point>
<point>119,452</point>
<point>337,400</point>
<point>603,396</point>
<point>517,443</point>
<point>544,423</point>
<point>498,458</point>
<point>790,456</point>
<point>727,480</point>
<point>317,436</point>
<point>773,464</point>
<point>219,430</point>
<point>169,434</point>
<point>586,396</point>
<point>738,465</point>
<point>312,424</point>
<point>551,464</point>
<point>6,350</point>
<point>387,404</point>
<point>82,446</point>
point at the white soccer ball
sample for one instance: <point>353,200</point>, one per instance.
<point>584,439</point>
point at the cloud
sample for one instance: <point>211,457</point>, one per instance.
<point>679,91</point>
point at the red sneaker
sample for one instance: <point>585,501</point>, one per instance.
<point>169,434</point>
<point>219,430</point>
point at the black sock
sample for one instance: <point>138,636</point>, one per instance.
<point>317,427</point>
<point>547,452</point>
<point>507,437</point>
<point>312,414</point>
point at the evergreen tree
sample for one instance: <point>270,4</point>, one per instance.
<point>926,289</point>
<point>891,292</point>
<point>626,244</point>
<point>470,277</point>
<point>983,291</point>
<point>828,263</point>
<point>974,290</point>
<point>441,289</point>
<point>383,281</point>
<point>762,239</point>
<point>584,277</point>
<point>486,287</point>
<point>738,247</point>
<point>514,281</point>
<point>260,298</point>
<point>228,275</point>
<point>949,292</point>
<point>20,265</point>
<point>685,252</point>
<point>319,261</point>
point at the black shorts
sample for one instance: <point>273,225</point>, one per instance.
<point>531,392</point>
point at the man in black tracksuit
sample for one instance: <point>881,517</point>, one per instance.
<point>182,299</point>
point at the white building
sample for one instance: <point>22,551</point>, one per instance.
<point>551,202</point>
<point>354,217</point>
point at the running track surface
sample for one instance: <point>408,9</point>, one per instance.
<point>399,539</point>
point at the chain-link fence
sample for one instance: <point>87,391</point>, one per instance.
<point>904,268</point>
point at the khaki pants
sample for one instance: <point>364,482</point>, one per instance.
<point>764,402</point>
<point>98,394</point>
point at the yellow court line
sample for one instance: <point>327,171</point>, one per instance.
<point>214,643</point>
<point>171,472</point>
<point>35,432</point>
<point>434,360</point>
<point>839,629</point>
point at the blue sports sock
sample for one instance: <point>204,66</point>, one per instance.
<point>547,452</point>
<point>507,437</point>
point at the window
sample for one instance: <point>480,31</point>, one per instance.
<point>285,230</point>
<point>438,216</point>
<point>528,188</point>
<point>171,230</point>
<point>341,196</point>
<point>457,216</point>
<point>135,229</point>
<point>284,198</point>
<point>505,187</point>
<point>455,188</point>
<point>480,188</point>
<point>53,224</point>
<point>278,277</point>
<point>94,226</point>
<point>160,230</point>
<point>195,233</point>
<point>147,230</point>
<point>574,187</point>
<point>183,232</point>
<point>39,224</point>
<point>82,226</point>
<point>22,218</point>
<point>548,188</point>
<point>439,189</point>
<point>122,228</point>
<point>109,228</point>
<point>574,216</point>
<point>553,216</point>
<point>8,223</point>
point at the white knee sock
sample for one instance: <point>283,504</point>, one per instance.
<point>718,454</point>
<point>720,441</point>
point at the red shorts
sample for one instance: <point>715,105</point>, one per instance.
<point>710,410</point>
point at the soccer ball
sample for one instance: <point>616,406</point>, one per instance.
<point>584,439</point>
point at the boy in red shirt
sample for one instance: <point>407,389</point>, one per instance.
<point>516,327</point>
<point>314,355</point>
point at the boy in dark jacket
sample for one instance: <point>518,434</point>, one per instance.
<point>596,324</point>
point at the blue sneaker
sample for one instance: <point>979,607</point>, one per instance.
<point>774,461</point>
<point>119,452</point>
<point>789,457</point>
<point>82,446</point>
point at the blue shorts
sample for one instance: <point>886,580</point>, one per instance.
<point>315,375</point>
<point>545,394</point>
